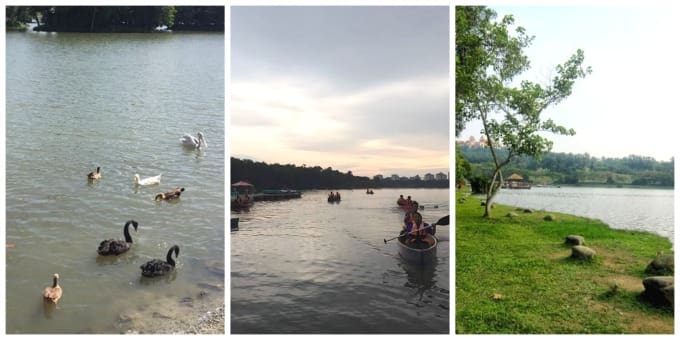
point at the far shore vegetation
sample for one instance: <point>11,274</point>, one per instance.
<point>569,169</point>
<point>115,19</point>
<point>514,274</point>
<point>291,176</point>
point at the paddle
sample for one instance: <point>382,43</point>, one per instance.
<point>442,221</point>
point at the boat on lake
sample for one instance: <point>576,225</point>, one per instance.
<point>242,195</point>
<point>416,255</point>
<point>277,194</point>
<point>234,224</point>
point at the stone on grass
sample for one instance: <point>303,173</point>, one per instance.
<point>669,294</point>
<point>582,253</point>
<point>511,214</point>
<point>529,211</point>
<point>549,218</point>
<point>663,264</point>
<point>659,289</point>
<point>576,240</point>
<point>483,203</point>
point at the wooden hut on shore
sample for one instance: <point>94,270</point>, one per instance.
<point>515,181</point>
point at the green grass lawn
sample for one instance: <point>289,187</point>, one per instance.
<point>515,275</point>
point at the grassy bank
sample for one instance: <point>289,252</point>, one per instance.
<point>514,275</point>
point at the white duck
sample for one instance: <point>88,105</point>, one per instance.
<point>191,141</point>
<point>148,181</point>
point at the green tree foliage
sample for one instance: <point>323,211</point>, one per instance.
<point>462,166</point>
<point>199,18</point>
<point>290,176</point>
<point>510,113</point>
<point>16,17</point>
<point>570,168</point>
<point>113,19</point>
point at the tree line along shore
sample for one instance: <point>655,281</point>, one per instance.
<point>115,19</point>
<point>291,176</point>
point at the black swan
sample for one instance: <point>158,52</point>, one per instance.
<point>117,247</point>
<point>157,267</point>
<point>95,175</point>
<point>53,294</point>
<point>169,195</point>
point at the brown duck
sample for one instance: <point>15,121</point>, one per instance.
<point>169,195</point>
<point>53,294</point>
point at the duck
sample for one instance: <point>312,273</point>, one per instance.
<point>116,247</point>
<point>169,195</point>
<point>194,142</point>
<point>95,174</point>
<point>158,267</point>
<point>147,181</point>
<point>53,294</point>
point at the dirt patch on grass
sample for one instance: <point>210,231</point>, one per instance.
<point>634,322</point>
<point>625,282</point>
<point>649,324</point>
<point>615,260</point>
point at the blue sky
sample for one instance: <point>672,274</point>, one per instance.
<point>628,104</point>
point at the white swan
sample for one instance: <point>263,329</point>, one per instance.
<point>148,181</point>
<point>191,141</point>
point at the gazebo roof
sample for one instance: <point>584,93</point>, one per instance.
<point>242,184</point>
<point>515,177</point>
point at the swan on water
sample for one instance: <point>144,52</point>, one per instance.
<point>191,141</point>
<point>158,267</point>
<point>95,174</point>
<point>53,293</point>
<point>169,195</point>
<point>117,247</point>
<point>147,181</point>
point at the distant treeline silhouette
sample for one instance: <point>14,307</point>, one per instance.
<point>290,176</point>
<point>569,168</point>
<point>117,19</point>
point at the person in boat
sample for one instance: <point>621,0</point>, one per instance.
<point>337,195</point>
<point>408,201</point>
<point>408,217</point>
<point>415,232</point>
<point>401,200</point>
<point>246,199</point>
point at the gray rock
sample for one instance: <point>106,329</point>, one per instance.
<point>549,218</point>
<point>659,289</point>
<point>511,214</point>
<point>582,253</point>
<point>663,264</point>
<point>528,211</point>
<point>576,240</point>
<point>669,294</point>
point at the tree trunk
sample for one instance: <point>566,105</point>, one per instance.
<point>94,13</point>
<point>493,190</point>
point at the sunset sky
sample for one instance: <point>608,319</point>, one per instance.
<point>359,88</point>
<point>627,105</point>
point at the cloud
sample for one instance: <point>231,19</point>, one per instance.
<point>363,88</point>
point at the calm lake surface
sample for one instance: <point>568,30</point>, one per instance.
<point>119,101</point>
<point>622,208</point>
<point>309,266</point>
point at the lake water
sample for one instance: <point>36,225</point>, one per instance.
<point>119,101</point>
<point>308,266</point>
<point>621,208</point>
